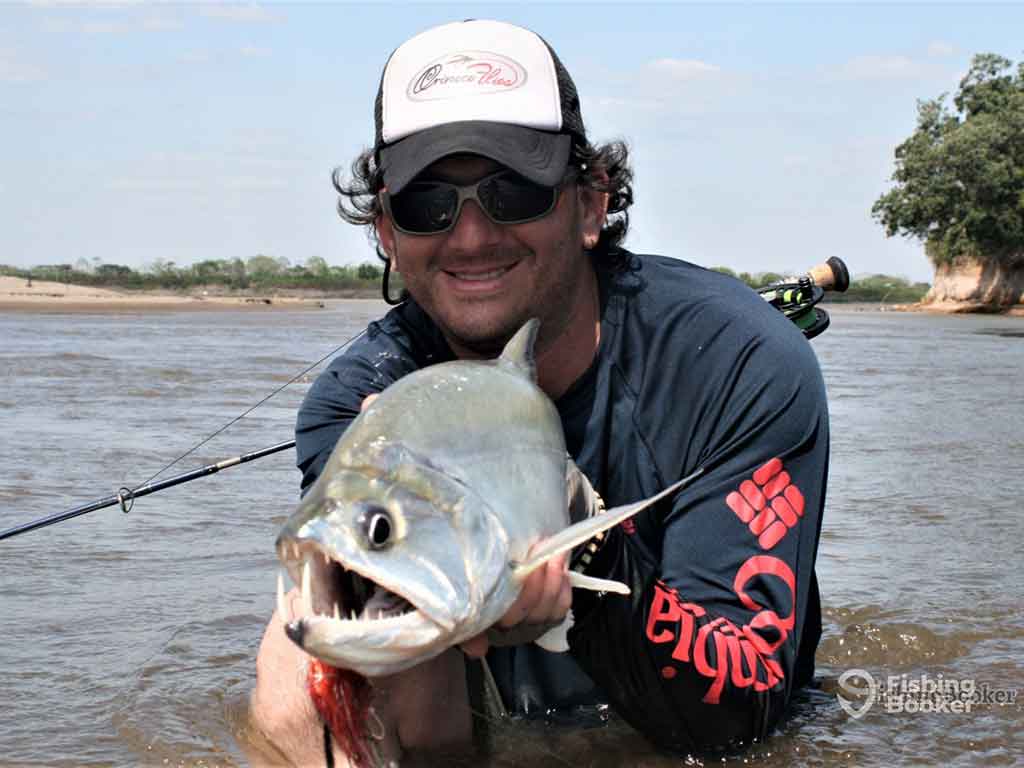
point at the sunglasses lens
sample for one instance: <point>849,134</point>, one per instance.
<point>428,207</point>
<point>424,207</point>
<point>509,198</point>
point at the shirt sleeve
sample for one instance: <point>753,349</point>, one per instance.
<point>367,367</point>
<point>707,649</point>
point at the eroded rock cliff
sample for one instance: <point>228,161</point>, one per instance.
<point>969,285</point>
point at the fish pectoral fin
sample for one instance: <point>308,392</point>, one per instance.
<point>585,529</point>
<point>579,581</point>
<point>556,639</point>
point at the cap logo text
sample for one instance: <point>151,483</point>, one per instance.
<point>464,73</point>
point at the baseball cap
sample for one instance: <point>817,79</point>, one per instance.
<point>482,87</point>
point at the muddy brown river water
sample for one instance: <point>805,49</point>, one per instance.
<point>131,639</point>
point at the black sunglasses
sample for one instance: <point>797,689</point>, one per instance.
<point>432,207</point>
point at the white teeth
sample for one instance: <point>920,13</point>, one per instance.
<point>307,590</point>
<point>337,613</point>
<point>482,276</point>
<point>282,605</point>
<point>352,615</point>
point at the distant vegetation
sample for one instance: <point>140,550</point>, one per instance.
<point>959,179</point>
<point>263,274</point>
<point>257,274</point>
<point>873,288</point>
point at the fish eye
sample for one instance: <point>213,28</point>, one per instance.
<point>377,526</point>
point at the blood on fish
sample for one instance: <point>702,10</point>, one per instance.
<point>342,697</point>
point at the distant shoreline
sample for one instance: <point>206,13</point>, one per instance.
<point>48,298</point>
<point>44,297</point>
<point>938,308</point>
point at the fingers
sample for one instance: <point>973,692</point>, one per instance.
<point>366,402</point>
<point>545,596</point>
<point>476,647</point>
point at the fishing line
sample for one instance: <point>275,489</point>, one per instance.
<point>125,496</point>
<point>245,413</point>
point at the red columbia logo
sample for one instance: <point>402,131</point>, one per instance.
<point>466,72</point>
<point>768,503</point>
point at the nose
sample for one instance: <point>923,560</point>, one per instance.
<point>473,230</point>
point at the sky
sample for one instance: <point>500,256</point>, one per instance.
<point>761,134</point>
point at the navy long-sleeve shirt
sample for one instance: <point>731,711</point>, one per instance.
<point>693,370</point>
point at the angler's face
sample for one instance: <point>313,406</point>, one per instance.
<point>480,280</point>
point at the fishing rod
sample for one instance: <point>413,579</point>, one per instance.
<point>125,497</point>
<point>797,300</point>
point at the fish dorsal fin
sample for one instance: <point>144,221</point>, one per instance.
<point>518,353</point>
<point>580,532</point>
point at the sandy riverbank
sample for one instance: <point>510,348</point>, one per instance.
<point>935,308</point>
<point>45,297</point>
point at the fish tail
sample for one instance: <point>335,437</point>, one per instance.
<point>342,698</point>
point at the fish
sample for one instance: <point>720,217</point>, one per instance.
<point>436,503</point>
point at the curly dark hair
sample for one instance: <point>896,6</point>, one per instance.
<point>604,168</point>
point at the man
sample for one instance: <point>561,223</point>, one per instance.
<point>488,199</point>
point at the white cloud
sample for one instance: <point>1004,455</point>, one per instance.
<point>194,57</point>
<point>155,184</point>
<point>240,14</point>
<point>253,183</point>
<point>939,48</point>
<point>684,69</point>
<point>105,27</point>
<point>15,69</point>
<point>254,52</point>
<point>881,67</point>
<point>160,24</point>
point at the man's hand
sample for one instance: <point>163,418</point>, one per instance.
<point>542,604</point>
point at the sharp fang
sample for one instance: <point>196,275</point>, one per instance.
<point>352,615</point>
<point>282,605</point>
<point>337,613</point>
<point>307,590</point>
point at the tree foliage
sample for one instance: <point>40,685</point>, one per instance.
<point>959,179</point>
<point>259,273</point>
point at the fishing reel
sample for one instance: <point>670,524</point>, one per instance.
<point>797,300</point>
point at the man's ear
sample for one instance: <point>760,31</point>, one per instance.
<point>594,210</point>
<point>386,237</point>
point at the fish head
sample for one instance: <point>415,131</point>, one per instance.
<point>398,562</point>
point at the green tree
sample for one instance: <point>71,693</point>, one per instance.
<point>261,265</point>
<point>367,271</point>
<point>317,266</point>
<point>959,179</point>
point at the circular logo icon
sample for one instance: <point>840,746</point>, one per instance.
<point>867,685</point>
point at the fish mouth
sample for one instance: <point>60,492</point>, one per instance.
<point>346,617</point>
<point>330,589</point>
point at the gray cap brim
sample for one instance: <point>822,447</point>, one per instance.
<point>541,156</point>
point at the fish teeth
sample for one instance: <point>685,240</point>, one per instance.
<point>307,589</point>
<point>282,605</point>
<point>337,613</point>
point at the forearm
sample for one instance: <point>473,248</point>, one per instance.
<point>681,672</point>
<point>423,709</point>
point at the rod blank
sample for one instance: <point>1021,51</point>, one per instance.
<point>122,497</point>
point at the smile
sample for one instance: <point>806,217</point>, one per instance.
<point>479,279</point>
<point>494,274</point>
